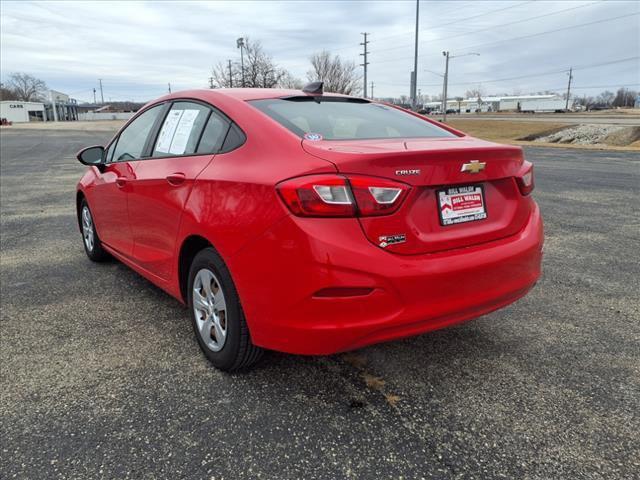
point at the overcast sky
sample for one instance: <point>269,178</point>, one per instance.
<point>138,47</point>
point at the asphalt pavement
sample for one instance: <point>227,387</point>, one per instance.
<point>102,376</point>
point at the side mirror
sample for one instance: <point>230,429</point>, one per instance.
<point>91,156</point>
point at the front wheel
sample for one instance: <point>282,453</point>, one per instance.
<point>216,313</point>
<point>90,240</point>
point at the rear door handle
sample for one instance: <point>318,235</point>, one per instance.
<point>121,182</point>
<point>176,178</point>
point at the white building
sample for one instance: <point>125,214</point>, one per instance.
<point>57,107</point>
<point>20,112</point>
<point>511,103</point>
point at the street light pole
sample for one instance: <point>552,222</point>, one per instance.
<point>240,44</point>
<point>414,77</point>
<point>446,80</point>
<point>444,86</point>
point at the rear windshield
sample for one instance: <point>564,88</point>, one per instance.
<point>334,118</point>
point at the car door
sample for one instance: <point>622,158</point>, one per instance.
<point>186,142</point>
<point>109,197</point>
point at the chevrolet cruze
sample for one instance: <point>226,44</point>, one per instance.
<point>308,222</point>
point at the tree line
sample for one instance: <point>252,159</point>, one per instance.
<point>258,70</point>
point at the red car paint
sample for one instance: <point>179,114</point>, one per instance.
<point>316,285</point>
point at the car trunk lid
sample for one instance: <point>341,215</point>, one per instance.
<point>430,166</point>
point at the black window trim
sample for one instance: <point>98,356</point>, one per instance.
<point>155,130</point>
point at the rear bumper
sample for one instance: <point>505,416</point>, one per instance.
<point>278,274</point>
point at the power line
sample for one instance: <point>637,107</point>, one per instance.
<point>540,74</point>
<point>458,21</point>
<point>604,20</point>
<point>431,27</point>
<point>500,25</point>
<point>477,46</point>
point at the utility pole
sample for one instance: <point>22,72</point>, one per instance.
<point>414,76</point>
<point>94,96</point>
<point>446,80</point>
<point>372,97</point>
<point>566,107</point>
<point>210,82</point>
<point>169,84</point>
<point>240,44</point>
<point>444,86</point>
<point>230,76</point>
<point>101,92</point>
<point>364,44</point>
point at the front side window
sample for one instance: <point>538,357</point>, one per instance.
<point>336,118</point>
<point>131,141</point>
<point>181,129</point>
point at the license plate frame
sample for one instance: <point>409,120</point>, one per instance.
<point>466,209</point>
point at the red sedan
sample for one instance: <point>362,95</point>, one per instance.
<point>310,223</point>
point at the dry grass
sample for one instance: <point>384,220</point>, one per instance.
<point>504,131</point>
<point>373,382</point>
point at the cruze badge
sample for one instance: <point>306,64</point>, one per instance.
<point>403,173</point>
<point>474,166</point>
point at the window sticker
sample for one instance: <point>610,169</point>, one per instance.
<point>176,130</point>
<point>183,132</point>
<point>168,129</point>
<point>314,137</point>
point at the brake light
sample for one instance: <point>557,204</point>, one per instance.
<point>525,180</point>
<point>377,196</point>
<point>342,196</point>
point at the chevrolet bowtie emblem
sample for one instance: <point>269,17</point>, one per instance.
<point>474,166</point>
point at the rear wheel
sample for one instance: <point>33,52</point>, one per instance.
<point>216,313</point>
<point>90,240</point>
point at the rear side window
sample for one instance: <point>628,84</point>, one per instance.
<point>181,129</point>
<point>213,135</point>
<point>337,118</point>
<point>133,138</point>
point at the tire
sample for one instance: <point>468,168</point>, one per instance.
<point>90,240</point>
<point>218,320</point>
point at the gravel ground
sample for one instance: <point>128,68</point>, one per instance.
<point>582,134</point>
<point>102,378</point>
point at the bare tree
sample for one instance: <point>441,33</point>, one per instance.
<point>289,81</point>
<point>26,87</point>
<point>260,71</point>
<point>338,76</point>
<point>606,98</point>
<point>7,93</point>
<point>624,98</point>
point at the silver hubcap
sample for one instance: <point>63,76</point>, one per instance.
<point>87,228</point>
<point>210,309</point>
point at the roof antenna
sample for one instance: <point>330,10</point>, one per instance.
<point>314,88</point>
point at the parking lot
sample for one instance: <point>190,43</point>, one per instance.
<point>102,377</point>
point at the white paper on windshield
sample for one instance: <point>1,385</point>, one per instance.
<point>183,132</point>
<point>168,130</point>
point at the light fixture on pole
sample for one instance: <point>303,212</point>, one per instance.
<point>240,44</point>
<point>446,79</point>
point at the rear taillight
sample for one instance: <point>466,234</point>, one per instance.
<point>525,180</point>
<point>342,196</point>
